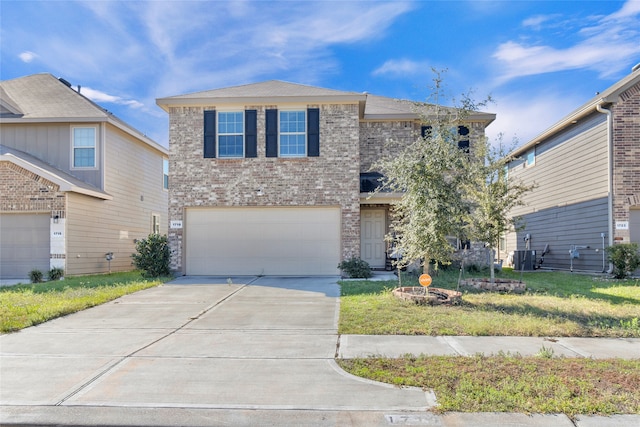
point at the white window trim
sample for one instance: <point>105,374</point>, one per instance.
<point>306,132</point>
<point>95,148</point>
<point>155,223</point>
<point>526,158</point>
<point>218,134</point>
<point>165,188</point>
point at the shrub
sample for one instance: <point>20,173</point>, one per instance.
<point>625,259</point>
<point>152,256</point>
<point>55,273</point>
<point>356,268</point>
<point>35,276</point>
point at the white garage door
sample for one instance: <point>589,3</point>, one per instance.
<point>262,241</point>
<point>24,244</point>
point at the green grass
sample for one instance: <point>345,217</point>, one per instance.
<point>26,305</point>
<point>555,304</point>
<point>508,383</point>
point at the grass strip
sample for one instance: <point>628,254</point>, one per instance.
<point>555,304</point>
<point>26,305</point>
<point>507,383</point>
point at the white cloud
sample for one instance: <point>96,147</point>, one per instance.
<point>604,47</point>
<point>523,121</point>
<point>27,56</point>
<point>401,67</point>
<point>101,97</point>
<point>536,21</point>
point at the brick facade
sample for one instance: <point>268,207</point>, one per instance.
<point>24,191</point>
<point>626,155</point>
<point>332,179</point>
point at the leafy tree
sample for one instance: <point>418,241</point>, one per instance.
<point>448,191</point>
<point>492,195</point>
<point>431,173</point>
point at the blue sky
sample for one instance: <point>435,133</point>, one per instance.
<point>539,59</point>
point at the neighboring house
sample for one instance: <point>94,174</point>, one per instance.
<point>587,171</point>
<point>76,182</point>
<point>275,177</point>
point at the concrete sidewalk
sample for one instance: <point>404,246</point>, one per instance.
<point>206,352</point>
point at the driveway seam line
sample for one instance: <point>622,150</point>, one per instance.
<point>132,354</point>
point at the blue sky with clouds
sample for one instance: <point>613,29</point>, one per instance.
<point>539,59</point>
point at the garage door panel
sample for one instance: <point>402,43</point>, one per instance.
<point>25,244</point>
<point>276,241</point>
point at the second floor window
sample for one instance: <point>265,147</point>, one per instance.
<point>231,134</point>
<point>84,147</point>
<point>293,133</point>
<point>165,174</point>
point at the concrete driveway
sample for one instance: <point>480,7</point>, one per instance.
<point>196,351</point>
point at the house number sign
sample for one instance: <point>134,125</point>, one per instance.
<point>622,225</point>
<point>175,224</point>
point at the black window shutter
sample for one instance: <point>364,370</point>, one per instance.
<point>425,131</point>
<point>313,132</point>
<point>271,123</point>
<point>210,134</point>
<point>463,143</point>
<point>250,134</point>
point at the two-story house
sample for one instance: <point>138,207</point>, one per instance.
<point>76,182</point>
<point>587,171</point>
<point>275,177</point>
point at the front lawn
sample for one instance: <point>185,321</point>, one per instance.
<point>510,383</point>
<point>555,304</point>
<point>30,304</point>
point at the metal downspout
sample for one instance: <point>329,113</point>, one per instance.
<point>610,173</point>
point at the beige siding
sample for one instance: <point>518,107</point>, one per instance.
<point>134,179</point>
<point>569,169</point>
<point>51,142</point>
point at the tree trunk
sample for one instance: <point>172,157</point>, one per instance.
<point>491,266</point>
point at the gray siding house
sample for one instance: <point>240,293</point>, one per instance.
<point>275,177</point>
<point>587,171</point>
<point>76,182</point>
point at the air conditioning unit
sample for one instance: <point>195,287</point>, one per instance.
<point>524,260</point>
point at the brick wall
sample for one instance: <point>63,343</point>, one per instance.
<point>329,180</point>
<point>626,154</point>
<point>379,139</point>
<point>24,191</point>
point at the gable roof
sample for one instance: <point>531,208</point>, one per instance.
<point>372,107</point>
<point>42,98</point>
<point>40,168</point>
<point>261,93</point>
<point>603,99</point>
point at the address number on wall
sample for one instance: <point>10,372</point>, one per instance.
<point>622,225</point>
<point>175,224</point>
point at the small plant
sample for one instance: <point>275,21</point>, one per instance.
<point>55,273</point>
<point>152,256</point>
<point>545,352</point>
<point>35,276</point>
<point>356,268</point>
<point>625,259</point>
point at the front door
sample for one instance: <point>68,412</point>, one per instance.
<point>372,230</point>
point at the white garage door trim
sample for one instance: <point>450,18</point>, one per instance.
<point>262,241</point>
<point>24,244</point>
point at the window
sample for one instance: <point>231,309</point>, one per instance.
<point>165,174</point>
<point>230,134</point>
<point>155,224</point>
<point>84,147</point>
<point>531,157</point>
<point>293,134</point>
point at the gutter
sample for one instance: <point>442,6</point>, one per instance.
<point>606,111</point>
